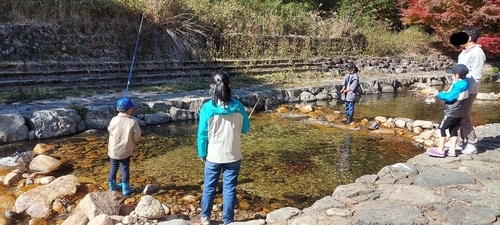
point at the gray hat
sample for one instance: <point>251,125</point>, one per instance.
<point>460,69</point>
<point>351,65</point>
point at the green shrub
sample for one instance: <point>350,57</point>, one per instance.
<point>382,42</point>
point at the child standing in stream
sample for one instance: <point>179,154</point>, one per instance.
<point>348,91</point>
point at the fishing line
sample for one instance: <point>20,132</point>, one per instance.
<point>133,57</point>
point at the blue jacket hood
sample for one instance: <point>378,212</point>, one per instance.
<point>231,108</point>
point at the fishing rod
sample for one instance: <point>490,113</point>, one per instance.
<point>258,99</point>
<point>133,57</point>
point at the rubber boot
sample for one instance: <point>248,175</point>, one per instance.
<point>126,189</point>
<point>113,186</point>
<point>346,118</point>
<point>348,121</point>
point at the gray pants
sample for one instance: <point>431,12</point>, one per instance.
<point>467,132</point>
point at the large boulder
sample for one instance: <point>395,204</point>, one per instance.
<point>55,122</point>
<point>13,127</point>
<point>37,201</point>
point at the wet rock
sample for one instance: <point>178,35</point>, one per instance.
<point>41,148</point>
<point>490,96</point>
<point>306,109</point>
<point>13,177</point>
<point>13,127</point>
<point>6,203</point>
<point>244,205</point>
<point>156,118</point>
<point>98,117</point>
<point>282,110</point>
<point>24,160</point>
<point>307,97</point>
<point>150,189</point>
<point>44,163</point>
<point>178,114</point>
<point>374,125</point>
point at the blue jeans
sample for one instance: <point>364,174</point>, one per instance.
<point>230,173</point>
<point>349,109</point>
<point>124,167</point>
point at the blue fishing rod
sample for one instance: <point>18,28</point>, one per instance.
<point>133,57</point>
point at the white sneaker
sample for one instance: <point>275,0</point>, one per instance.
<point>469,149</point>
<point>205,221</point>
<point>448,145</point>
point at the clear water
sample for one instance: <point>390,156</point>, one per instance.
<point>286,161</point>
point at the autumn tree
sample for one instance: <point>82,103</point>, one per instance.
<point>446,17</point>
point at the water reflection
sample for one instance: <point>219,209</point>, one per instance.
<point>286,161</point>
<point>342,158</point>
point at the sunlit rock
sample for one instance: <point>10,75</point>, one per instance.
<point>485,96</point>
<point>306,109</point>
<point>44,163</point>
<point>37,201</point>
<point>423,124</point>
<point>102,219</point>
<point>282,110</point>
<point>150,208</point>
<point>96,203</point>
<point>59,207</point>
<point>13,177</point>
<point>44,180</point>
<point>381,119</point>
<point>417,130</point>
<point>54,122</point>
<point>307,97</point>
<point>41,148</point>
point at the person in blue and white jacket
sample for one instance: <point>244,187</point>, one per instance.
<point>455,100</point>
<point>222,121</point>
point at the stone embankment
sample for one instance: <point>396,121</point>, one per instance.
<point>45,119</point>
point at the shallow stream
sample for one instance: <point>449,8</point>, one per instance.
<point>286,160</point>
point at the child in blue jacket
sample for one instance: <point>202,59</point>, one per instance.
<point>454,109</point>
